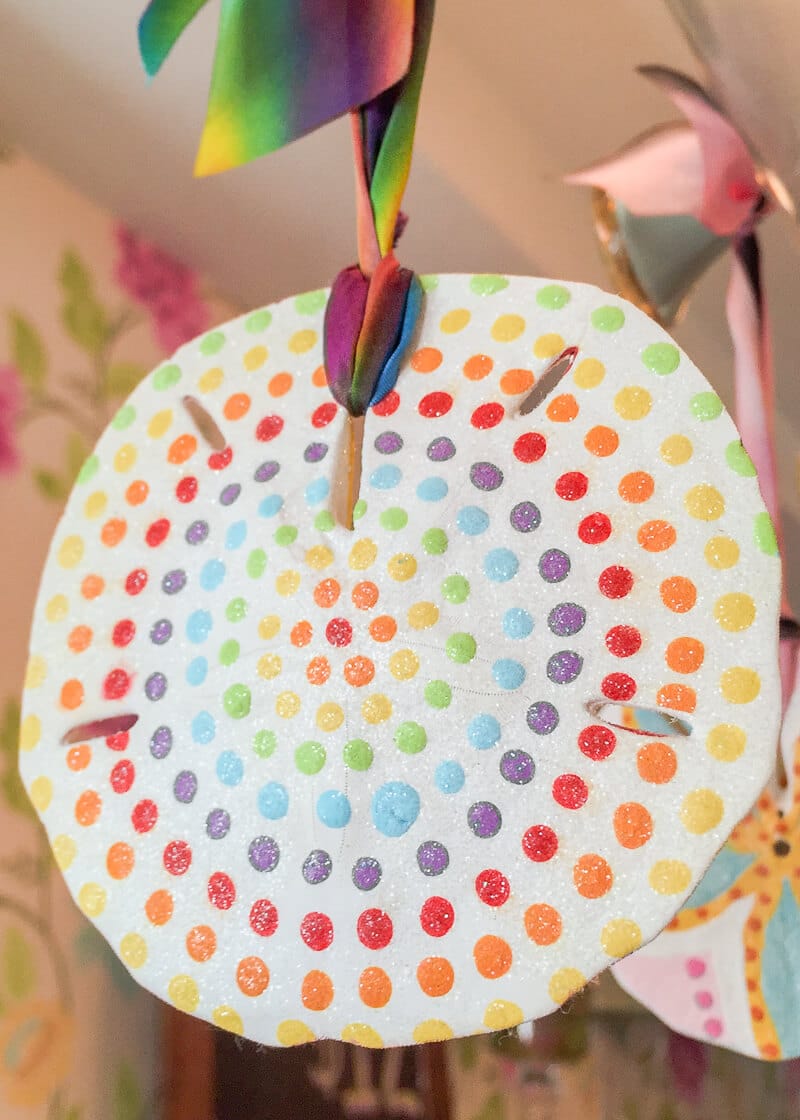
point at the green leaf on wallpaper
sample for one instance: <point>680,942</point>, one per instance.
<point>122,378</point>
<point>493,1109</point>
<point>82,314</point>
<point>11,787</point>
<point>50,484</point>
<point>73,1113</point>
<point>27,351</point>
<point>77,452</point>
<point>127,1101</point>
<point>18,963</point>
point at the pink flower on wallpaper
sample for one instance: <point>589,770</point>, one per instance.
<point>688,1060</point>
<point>10,408</point>
<point>165,287</point>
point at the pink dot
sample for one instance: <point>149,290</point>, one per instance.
<point>713,1027</point>
<point>695,967</point>
<point>704,1000</point>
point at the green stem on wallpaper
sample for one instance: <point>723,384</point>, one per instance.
<point>45,931</point>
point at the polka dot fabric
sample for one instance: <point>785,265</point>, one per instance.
<point>371,791</point>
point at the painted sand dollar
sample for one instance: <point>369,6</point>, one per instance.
<point>424,777</point>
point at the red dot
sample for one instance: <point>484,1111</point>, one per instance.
<point>268,428</point>
<point>615,582</point>
<point>530,447</point>
<point>374,928</point>
<point>219,460</point>
<point>263,917</point>
<point>177,857</point>
<point>618,686</point>
<point>488,415</point>
<point>492,887</point>
<point>124,632</point>
<point>339,632</point>
<point>595,528</point>
<point>623,641</point>
<point>597,742</point>
<point>435,404</point>
<point>323,415</point>
<point>316,930</point>
<point>118,742</point>
<point>144,815</point>
<point>122,776</point>
<point>136,581</point>
<point>437,916</point>
<point>221,891</point>
<point>570,791</point>
<point>572,485</point>
<point>116,684</point>
<point>388,405</point>
<point>186,490</point>
<point>157,533</point>
<point>540,843</point>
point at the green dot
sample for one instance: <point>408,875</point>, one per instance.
<point>764,533</point>
<point>434,541</point>
<point>358,754</point>
<point>738,460</point>
<point>166,376</point>
<point>411,737</point>
<point>661,357</point>
<point>429,283</point>
<point>212,343</point>
<point>228,652</point>
<point>359,509</point>
<point>487,284</point>
<point>286,535</point>
<point>310,302</point>
<point>256,563</point>
<point>608,318</point>
<point>258,321</point>
<point>89,469</point>
<point>705,406</point>
<point>455,589</point>
<point>461,648</point>
<point>264,743</point>
<point>553,297</point>
<point>324,521</point>
<point>309,758</point>
<point>124,418</point>
<point>438,694</point>
<point>393,519</point>
<point>236,701</point>
<point>236,610</point>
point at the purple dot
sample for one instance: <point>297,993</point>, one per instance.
<point>161,632</point>
<point>441,449</point>
<point>367,873</point>
<point>554,565</point>
<point>317,866</point>
<point>197,532</point>
<point>155,686</point>
<point>161,742</point>
<point>566,619</point>
<point>485,476</point>
<point>185,787</point>
<point>517,767</point>
<point>230,494</point>
<point>388,443</point>
<point>218,823</point>
<point>174,581</point>
<point>432,858</point>
<point>484,819</point>
<point>564,666</point>
<point>267,471</point>
<point>542,717</point>
<point>263,853</point>
<point>525,517</point>
<point>315,452</point>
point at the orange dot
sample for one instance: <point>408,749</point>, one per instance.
<point>88,807</point>
<point>685,655</point>
<point>327,592</point>
<point>542,924</point>
<point>301,633</point>
<point>78,758</point>
<point>516,381</point>
<point>182,448</point>
<point>383,628</point>
<point>435,976</point>
<point>319,378</point>
<point>426,360</point>
<point>638,486</point>
<point>159,907</point>
<point>237,406</point>
<point>656,536</point>
<point>562,408</point>
<point>137,492</point>
<point>120,860</point>
<point>318,670</point>
<point>657,763</point>
<point>80,639</point>
<point>633,824</point>
<point>92,586</point>
<point>71,694</point>
<point>592,876</point>
<point>374,987</point>
<point>359,671</point>
<point>678,594</point>
<point>492,955</point>
<point>201,943</point>
<point>365,595</point>
<point>478,366</point>
<point>317,990</point>
<point>601,441</point>
<point>679,697</point>
<point>252,976</point>
<point>280,384</point>
<point>113,531</point>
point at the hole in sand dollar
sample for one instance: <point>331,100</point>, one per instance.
<point>558,369</point>
<point>205,423</point>
<point>100,728</point>
<point>641,721</point>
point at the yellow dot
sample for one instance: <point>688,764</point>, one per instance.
<point>404,664</point>
<point>702,810</point>
<point>548,345</point>
<point>30,732</point>
<point>726,742</point>
<point>210,380</point>
<point>70,552</point>
<point>95,504</point>
<point>669,876</point>
<point>620,937</point>
<point>184,993</point>
<point>287,583</point>
<point>740,685</point>
<point>92,899</point>
<point>319,557</point>
<point>329,717</point>
<point>721,553</point>
<point>362,554</point>
<point>704,502</point>
<point>633,402</point>
<point>160,423</point>
<point>57,609</point>
<point>227,1019</point>
<point>35,672</point>
<point>125,458</point>
<point>377,708</point>
<point>302,341</point>
<point>735,612</point>
<point>269,626</point>
<point>502,1015</point>
<point>507,327</point>
<point>402,567</point>
<point>40,792</point>
<point>432,1030</point>
<point>455,321</point>
<point>565,983</point>
<point>255,357</point>
<point>269,666</point>
<point>291,1032</point>
<point>287,705</point>
<point>676,450</point>
<point>133,950</point>
<point>589,373</point>
<point>362,1035</point>
<point>64,851</point>
<point>423,615</point>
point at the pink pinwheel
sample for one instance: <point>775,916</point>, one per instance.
<point>10,406</point>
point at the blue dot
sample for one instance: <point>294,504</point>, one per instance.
<point>198,626</point>
<point>204,727</point>
<point>317,491</point>
<point>196,671</point>
<point>333,808</point>
<point>395,807</point>
<point>270,505</point>
<point>483,731</point>
<point>432,489</point>
<point>236,535</point>
<point>517,623</point>
<point>449,777</point>
<point>385,477</point>
<point>230,768</point>
<point>273,801</point>
<point>500,565</point>
<point>212,575</point>
<point>472,521</point>
<point>507,673</point>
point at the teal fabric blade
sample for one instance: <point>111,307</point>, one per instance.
<point>160,27</point>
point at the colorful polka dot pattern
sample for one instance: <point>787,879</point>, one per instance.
<point>369,794</point>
